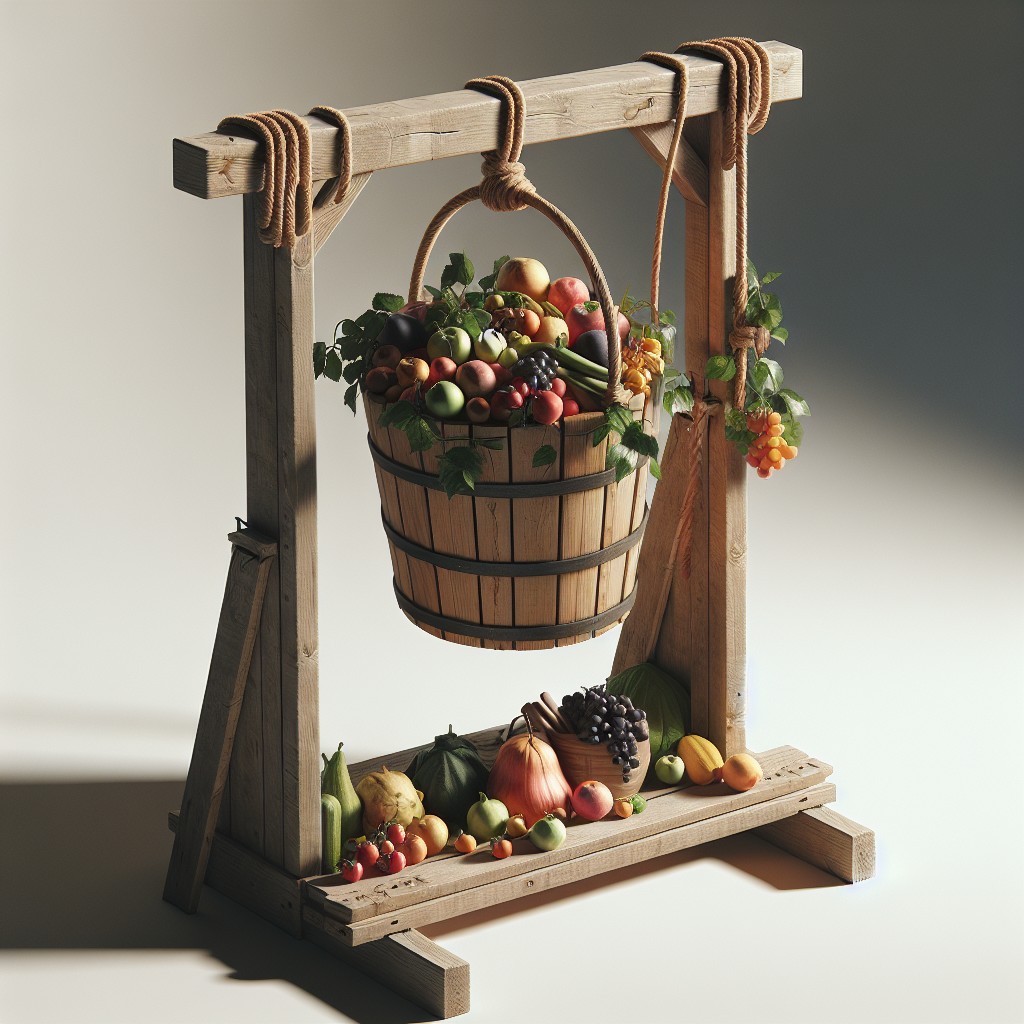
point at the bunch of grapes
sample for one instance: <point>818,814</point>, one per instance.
<point>536,371</point>
<point>601,717</point>
<point>768,450</point>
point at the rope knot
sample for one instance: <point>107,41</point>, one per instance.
<point>746,336</point>
<point>504,184</point>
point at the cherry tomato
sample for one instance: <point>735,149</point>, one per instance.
<point>352,871</point>
<point>396,833</point>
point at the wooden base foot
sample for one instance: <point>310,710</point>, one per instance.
<point>827,840</point>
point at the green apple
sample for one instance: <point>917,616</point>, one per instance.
<point>508,358</point>
<point>486,819</point>
<point>444,400</point>
<point>452,342</point>
<point>669,768</point>
<point>489,345</point>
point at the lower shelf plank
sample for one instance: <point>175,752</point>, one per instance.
<point>248,879</point>
<point>550,876</point>
<point>407,963</point>
<point>827,840</point>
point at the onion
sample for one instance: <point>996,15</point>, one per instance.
<point>527,778</point>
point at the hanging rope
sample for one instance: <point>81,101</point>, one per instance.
<point>285,200</point>
<point>748,89</point>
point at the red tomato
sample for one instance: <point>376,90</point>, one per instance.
<point>396,833</point>
<point>558,386</point>
<point>367,854</point>
<point>570,407</point>
<point>352,871</point>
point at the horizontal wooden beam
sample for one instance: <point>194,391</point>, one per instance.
<point>827,840</point>
<point>412,131</point>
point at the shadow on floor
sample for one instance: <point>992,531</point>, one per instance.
<point>83,867</point>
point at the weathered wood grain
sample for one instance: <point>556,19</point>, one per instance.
<point>785,770</point>
<point>689,172</point>
<point>218,719</point>
<point>827,840</point>
<point>535,532</point>
<point>494,535</point>
<point>407,963</point>
<point>547,875</point>
<point>249,879</point>
<point>411,131</point>
<point>582,521</point>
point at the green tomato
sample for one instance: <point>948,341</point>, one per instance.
<point>548,833</point>
<point>486,819</point>
<point>669,769</point>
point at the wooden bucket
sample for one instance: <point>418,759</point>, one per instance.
<point>537,558</point>
<point>581,762</point>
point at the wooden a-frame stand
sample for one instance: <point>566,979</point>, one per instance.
<point>249,823</point>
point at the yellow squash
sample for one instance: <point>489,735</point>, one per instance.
<point>701,759</point>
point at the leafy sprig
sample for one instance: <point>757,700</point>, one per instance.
<point>632,442</point>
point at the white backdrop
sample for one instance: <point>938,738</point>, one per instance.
<point>884,605</point>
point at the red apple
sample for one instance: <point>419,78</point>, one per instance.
<point>504,403</point>
<point>566,292</point>
<point>393,393</point>
<point>379,379</point>
<point>441,368</point>
<point>547,407</point>
<point>387,355</point>
<point>579,320</point>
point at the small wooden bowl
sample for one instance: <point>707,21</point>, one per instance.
<point>582,762</point>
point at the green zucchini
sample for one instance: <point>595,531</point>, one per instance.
<point>576,363</point>
<point>330,831</point>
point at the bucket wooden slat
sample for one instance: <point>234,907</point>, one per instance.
<point>454,533</point>
<point>386,486</point>
<point>535,531</point>
<point>412,500</point>
<point>582,520</point>
<point>494,536</point>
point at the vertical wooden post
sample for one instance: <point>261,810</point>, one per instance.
<point>702,637</point>
<point>275,783</point>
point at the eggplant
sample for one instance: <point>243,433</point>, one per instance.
<point>403,331</point>
<point>593,345</point>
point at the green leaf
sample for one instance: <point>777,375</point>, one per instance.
<point>353,348</point>
<point>464,269</point>
<point>469,323</point>
<point>770,276</point>
<point>422,434</point>
<point>667,317</point>
<point>349,328</point>
<point>767,376</point>
<point>618,418</point>
<point>635,439</point>
<point>483,318</point>
<point>781,335</point>
<point>591,306</point>
<point>655,469</point>
<point>545,455</point>
<point>332,365</point>
<point>720,368</point>
<point>459,468</point>
<point>795,405</point>
<point>352,373</point>
<point>622,459</point>
<point>767,313</point>
<point>431,290</point>
<point>792,431</point>
<point>487,283</point>
<point>475,300</point>
<point>350,397</point>
<point>494,443</point>
<point>751,274</point>
<point>518,417</point>
<point>448,277</point>
<point>601,433</point>
<point>319,357</point>
<point>737,419</point>
<point>670,374</point>
<point>499,263</point>
<point>398,415</point>
<point>388,302</point>
<point>677,400</point>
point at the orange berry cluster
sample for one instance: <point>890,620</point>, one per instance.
<point>768,450</point>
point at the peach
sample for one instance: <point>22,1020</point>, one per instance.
<point>441,368</point>
<point>549,329</point>
<point>476,379</point>
<point>566,292</point>
<point>387,355</point>
<point>379,379</point>
<point>526,275</point>
<point>478,410</point>
<point>393,393</point>
<point>592,800</point>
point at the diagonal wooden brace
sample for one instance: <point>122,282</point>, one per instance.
<point>251,559</point>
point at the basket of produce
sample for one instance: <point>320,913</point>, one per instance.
<point>510,425</point>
